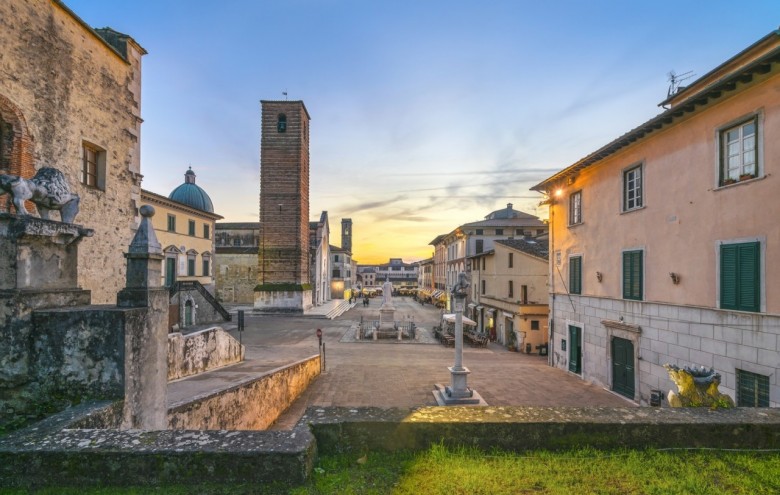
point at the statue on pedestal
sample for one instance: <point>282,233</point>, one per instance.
<point>48,189</point>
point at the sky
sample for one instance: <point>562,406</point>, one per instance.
<point>426,114</point>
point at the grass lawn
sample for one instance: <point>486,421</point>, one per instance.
<point>445,471</point>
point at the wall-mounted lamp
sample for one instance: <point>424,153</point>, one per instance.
<point>570,180</point>
<point>599,276</point>
<point>558,193</point>
<point>675,278</point>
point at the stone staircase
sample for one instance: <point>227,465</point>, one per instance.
<point>329,310</point>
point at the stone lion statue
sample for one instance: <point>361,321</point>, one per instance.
<point>696,387</point>
<point>48,189</point>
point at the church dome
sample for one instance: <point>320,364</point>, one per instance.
<point>191,194</point>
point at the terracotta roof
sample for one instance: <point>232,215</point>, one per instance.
<point>528,246</point>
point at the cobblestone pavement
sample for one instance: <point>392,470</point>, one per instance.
<point>386,374</point>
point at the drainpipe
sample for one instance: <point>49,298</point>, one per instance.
<point>551,317</point>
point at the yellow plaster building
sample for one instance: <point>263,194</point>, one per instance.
<point>184,224</point>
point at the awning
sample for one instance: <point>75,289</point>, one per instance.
<point>450,318</point>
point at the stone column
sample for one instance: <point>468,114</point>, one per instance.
<point>458,393</point>
<point>146,337</point>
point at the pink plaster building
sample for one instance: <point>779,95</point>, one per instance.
<point>664,243</point>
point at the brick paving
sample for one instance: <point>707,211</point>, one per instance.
<point>384,374</point>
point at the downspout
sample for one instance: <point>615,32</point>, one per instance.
<point>551,317</point>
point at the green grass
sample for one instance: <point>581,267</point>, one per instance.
<point>446,471</point>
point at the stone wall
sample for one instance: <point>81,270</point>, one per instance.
<point>202,311</point>
<point>81,351</point>
<point>252,405</point>
<point>64,86</point>
<point>58,453</point>
<point>662,333</point>
<point>201,351</point>
<point>236,277</point>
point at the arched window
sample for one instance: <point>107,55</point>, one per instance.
<point>281,123</point>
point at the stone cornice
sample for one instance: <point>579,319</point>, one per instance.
<point>619,325</point>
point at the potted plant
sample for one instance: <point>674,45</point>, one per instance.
<point>746,177</point>
<point>729,181</point>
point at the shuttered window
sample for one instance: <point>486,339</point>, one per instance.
<point>752,389</point>
<point>740,279</point>
<point>575,275</point>
<point>632,275</point>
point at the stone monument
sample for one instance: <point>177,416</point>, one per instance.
<point>458,393</point>
<point>387,310</point>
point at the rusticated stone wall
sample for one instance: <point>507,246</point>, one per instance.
<point>64,85</point>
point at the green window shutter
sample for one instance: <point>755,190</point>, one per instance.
<point>728,276</point>
<point>575,275</point>
<point>752,389</point>
<point>740,276</point>
<point>632,275</point>
<point>749,277</point>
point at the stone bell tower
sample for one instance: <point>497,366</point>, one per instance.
<point>346,234</point>
<point>283,259</point>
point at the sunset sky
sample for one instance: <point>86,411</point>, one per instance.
<point>426,114</point>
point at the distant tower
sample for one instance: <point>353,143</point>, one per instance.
<point>284,207</point>
<point>346,234</point>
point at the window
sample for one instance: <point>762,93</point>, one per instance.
<point>483,264</point>
<point>738,152</point>
<point>206,231</point>
<point>575,208</point>
<point>632,188</point>
<point>524,294</point>
<point>483,287</point>
<point>191,228</point>
<point>171,223</point>
<point>740,277</point>
<point>575,275</point>
<point>479,231</point>
<point>511,260</point>
<point>534,324</point>
<point>191,267</point>
<point>281,123</point>
<point>206,267</point>
<point>480,246</point>
<point>93,167</point>
<point>499,231</point>
<point>752,389</point>
<point>336,273</point>
<point>336,258</point>
<point>511,289</point>
<point>518,231</point>
<point>632,275</point>
<point>236,241</point>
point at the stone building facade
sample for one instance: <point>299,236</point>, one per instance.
<point>283,258</point>
<point>236,247</point>
<point>70,98</point>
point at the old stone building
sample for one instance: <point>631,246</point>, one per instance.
<point>236,246</point>
<point>319,249</point>
<point>283,259</point>
<point>70,98</point>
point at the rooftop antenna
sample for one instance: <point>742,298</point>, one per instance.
<point>675,80</point>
